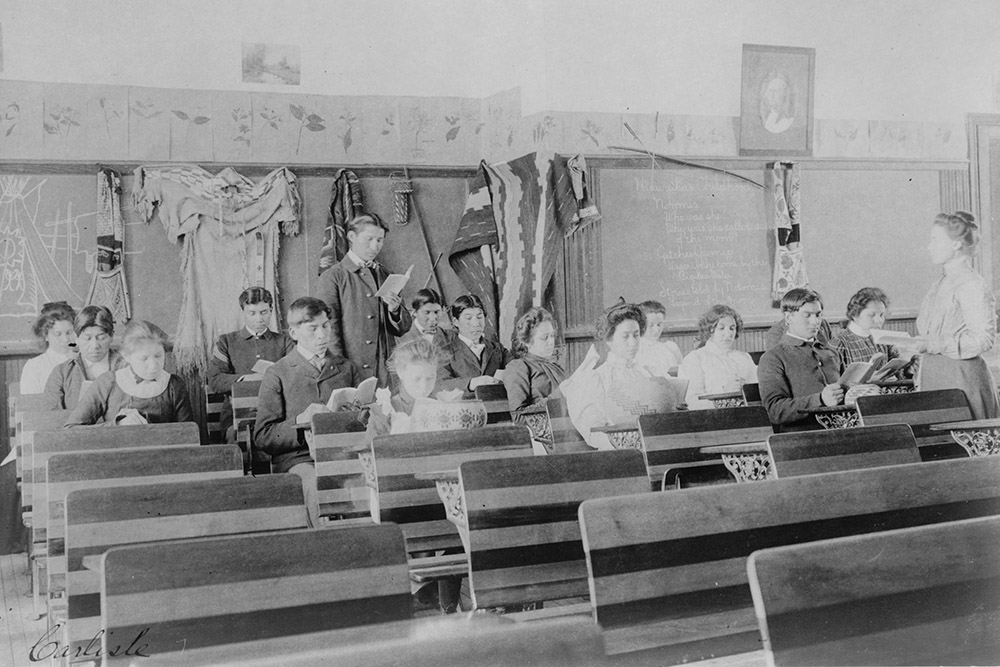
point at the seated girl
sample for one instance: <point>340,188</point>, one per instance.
<point>415,364</point>
<point>474,360</point>
<point>865,311</point>
<point>140,393</point>
<point>715,367</point>
<point>619,390</point>
<point>95,327</point>
<point>534,374</point>
<point>659,357</point>
<point>55,327</point>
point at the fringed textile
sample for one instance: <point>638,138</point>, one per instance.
<point>507,246</point>
<point>347,200</point>
<point>108,287</point>
<point>230,229</point>
<point>782,182</point>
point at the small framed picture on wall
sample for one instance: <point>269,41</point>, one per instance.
<point>776,100</point>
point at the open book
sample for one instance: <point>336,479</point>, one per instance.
<point>394,283</point>
<point>897,338</point>
<point>875,369</point>
<point>256,373</point>
<point>353,398</point>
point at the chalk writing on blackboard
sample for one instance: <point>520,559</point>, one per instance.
<point>39,249</point>
<point>689,239</point>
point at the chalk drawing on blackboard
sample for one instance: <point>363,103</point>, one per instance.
<point>36,256</point>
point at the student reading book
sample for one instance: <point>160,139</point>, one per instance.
<point>353,398</point>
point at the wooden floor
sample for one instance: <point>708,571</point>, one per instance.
<point>18,624</point>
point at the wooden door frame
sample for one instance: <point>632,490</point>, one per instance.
<point>979,127</point>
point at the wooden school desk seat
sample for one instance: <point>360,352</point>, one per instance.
<point>915,596</point>
<point>482,640</point>
<point>30,403</point>
<point>101,469</point>
<point>920,409</point>
<point>101,518</point>
<point>13,392</point>
<point>340,480</point>
<point>668,570</point>
<point>31,423</point>
<point>214,402</point>
<point>565,438</point>
<point>398,496</point>
<point>524,534</point>
<point>673,441</point>
<point>494,397</point>
<point>189,594</point>
<point>811,452</point>
<point>244,405</point>
<point>85,438</point>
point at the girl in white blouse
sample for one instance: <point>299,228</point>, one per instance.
<point>54,326</point>
<point>715,367</point>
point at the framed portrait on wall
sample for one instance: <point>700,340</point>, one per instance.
<point>776,101</point>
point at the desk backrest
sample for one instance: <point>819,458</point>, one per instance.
<point>811,452</point>
<point>524,533</point>
<point>414,503</point>
<point>340,480</point>
<point>102,469</point>
<point>244,406</point>
<point>915,596</point>
<point>483,640</point>
<point>673,440</point>
<point>31,423</point>
<point>494,397</point>
<point>98,519</point>
<point>85,438</point>
<point>13,392</point>
<point>29,403</point>
<point>663,557</point>
<point>920,409</point>
<point>214,403</point>
<point>193,593</point>
<point>565,438</point>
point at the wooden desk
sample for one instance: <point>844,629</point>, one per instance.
<point>450,491</point>
<point>979,437</point>
<point>747,462</point>
<point>732,399</point>
<point>622,436</point>
<point>836,416</point>
<point>896,386</point>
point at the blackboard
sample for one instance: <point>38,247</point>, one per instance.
<point>48,239</point>
<point>687,238</point>
<point>691,238</point>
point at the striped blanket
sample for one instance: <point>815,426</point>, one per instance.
<point>508,243</point>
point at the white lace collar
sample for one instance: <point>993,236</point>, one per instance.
<point>126,379</point>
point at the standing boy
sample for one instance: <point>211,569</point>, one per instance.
<point>363,327</point>
<point>297,387</point>
<point>801,372</point>
<point>237,352</point>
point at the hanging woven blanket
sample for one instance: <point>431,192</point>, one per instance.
<point>347,200</point>
<point>229,229</point>
<point>782,182</point>
<point>108,287</point>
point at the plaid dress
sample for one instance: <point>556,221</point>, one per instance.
<point>851,347</point>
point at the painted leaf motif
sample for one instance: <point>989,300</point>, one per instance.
<point>9,130</point>
<point>313,118</point>
<point>452,133</point>
<point>201,120</point>
<point>347,139</point>
<point>180,114</point>
<point>297,111</point>
<point>315,127</point>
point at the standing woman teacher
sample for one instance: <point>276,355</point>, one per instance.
<point>957,320</point>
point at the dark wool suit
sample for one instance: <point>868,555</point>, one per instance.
<point>361,327</point>
<point>462,365</point>
<point>62,391</point>
<point>792,377</point>
<point>288,388</point>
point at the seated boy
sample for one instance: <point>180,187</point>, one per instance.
<point>800,372</point>
<point>656,356</point>
<point>297,387</point>
<point>427,309</point>
<point>237,352</point>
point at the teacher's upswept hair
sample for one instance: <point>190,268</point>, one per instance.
<point>960,226</point>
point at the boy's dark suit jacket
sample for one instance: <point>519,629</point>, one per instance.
<point>462,364</point>
<point>361,327</point>
<point>288,388</point>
